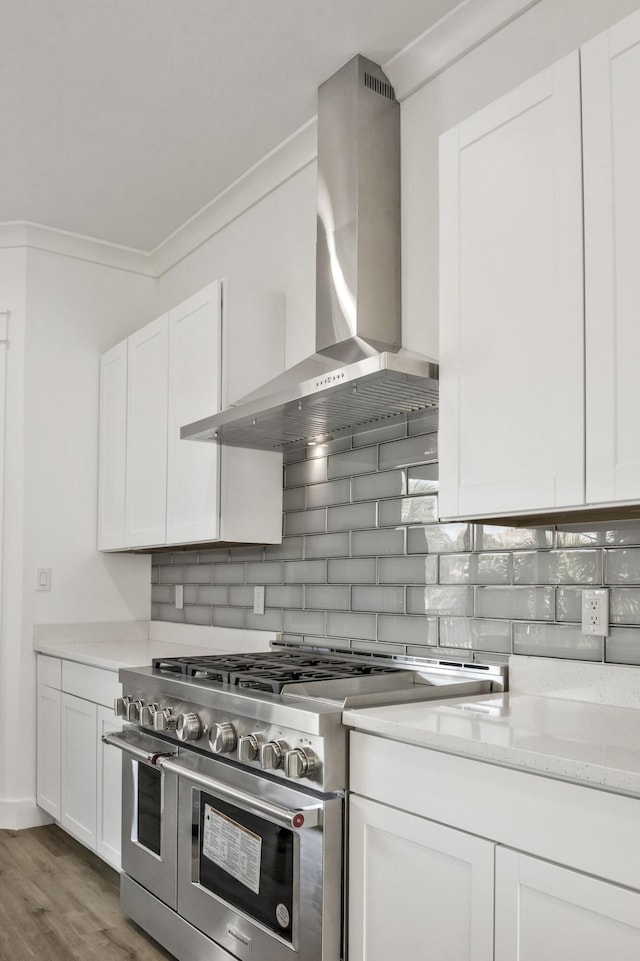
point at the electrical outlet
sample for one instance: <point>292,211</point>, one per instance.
<point>179,597</point>
<point>258,600</point>
<point>595,612</point>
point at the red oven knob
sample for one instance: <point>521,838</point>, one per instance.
<point>188,727</point>
<point>222,738</point>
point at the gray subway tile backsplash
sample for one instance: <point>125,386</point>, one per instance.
<point>408,570</point>
<point>557,567</point>
<point>377,542</point>
<point>620,566</point>
<point>305,522</point>
<point>408,510</point>
<point>326,545</point>
<point>414,450</point>
<point>352,570</point>
<point>391,483</point>
<point>352,517</point>
<point>353,462</point>
<point>389,600</point>
<point>361,626</point>
<point>325,495</point>
<point>365,565</point>
<point>556,640</point>
<point>327,597</point>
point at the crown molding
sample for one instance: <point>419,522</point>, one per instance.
<point>287,159</point>
<point>464,28</point>
<point>38,237</point>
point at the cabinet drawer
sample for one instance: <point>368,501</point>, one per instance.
<point>49,670</point>
<point>587,829</point>
<point>91,683</point>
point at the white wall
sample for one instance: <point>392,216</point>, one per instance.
<point>13,266</point>
<point>270,246</point>
<point>64,313</point>
<point>545,33</point>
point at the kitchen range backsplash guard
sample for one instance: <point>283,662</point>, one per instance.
<point>364,565</point>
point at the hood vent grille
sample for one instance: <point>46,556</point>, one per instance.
<point>370,391</point>
<point>379,86</point>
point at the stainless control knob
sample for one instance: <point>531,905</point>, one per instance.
<point>222,738</point>
<point>301,762</point>
<point>147,714</point>
<point>271,754</point>
<point>249,746</point>
<point>133,709</point>
<point>120,706</point>
<point>188,727</point>
<point>164,720</point>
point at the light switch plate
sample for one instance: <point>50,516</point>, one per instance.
<point>258,600</point>
<point>43,579</point>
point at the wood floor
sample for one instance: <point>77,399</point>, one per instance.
<point>59,902</point>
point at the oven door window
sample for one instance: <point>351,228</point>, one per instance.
<point>149,808</point>
<point>246,861</point>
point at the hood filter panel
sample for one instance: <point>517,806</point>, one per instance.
<point>370,399</point>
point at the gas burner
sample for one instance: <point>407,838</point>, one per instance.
<point>270,671</point>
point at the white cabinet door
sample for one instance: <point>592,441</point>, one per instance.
<point>417,889</point>
<point>79,768</point>
<point>194,393</point>
<point>146,472</point>
<point>253,340</point>
<point>112,448</point>
<point>548,912</point>
<point>48,750</point>
<point>511,311</point>
<point>610,84</point>
<point>109,791</point>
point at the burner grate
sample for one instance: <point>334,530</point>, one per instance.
<point>269,670</point>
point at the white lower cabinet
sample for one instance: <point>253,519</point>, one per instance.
<point>78,778</point>
<point>109,791</point>
<point>453,859</point>
<point>79,768</point>
<point>547,911</point>
<point>417,889</point>
<point>48,749</point>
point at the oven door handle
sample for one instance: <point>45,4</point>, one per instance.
<point>303,817</point>
<point>120,741</point>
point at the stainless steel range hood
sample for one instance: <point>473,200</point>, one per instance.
<point>359,374</point>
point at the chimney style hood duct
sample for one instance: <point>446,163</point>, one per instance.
<point>359,375</point>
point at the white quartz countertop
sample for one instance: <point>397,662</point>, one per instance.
<point>135,644</point>
<point>597,745</point>
<point>111,655</point>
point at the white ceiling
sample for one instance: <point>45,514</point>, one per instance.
<point>121,119</point>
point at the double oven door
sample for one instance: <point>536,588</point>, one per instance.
<point>250,862</point>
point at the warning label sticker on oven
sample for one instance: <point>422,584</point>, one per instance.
<point>232,847</point>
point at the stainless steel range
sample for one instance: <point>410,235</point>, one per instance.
<point>234,782</point>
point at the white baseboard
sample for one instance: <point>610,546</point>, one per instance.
<point>25,813</point>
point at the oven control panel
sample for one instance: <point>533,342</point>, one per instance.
<point>266,746</point>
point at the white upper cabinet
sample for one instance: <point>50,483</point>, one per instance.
<point>113,447</point>
<point>156,489</point>
<point>527,370</point>
<point>146,468</point>
<point>194,393</point>
<point>511,309</point>
<point>611,118</point>
<point>252,341</point>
